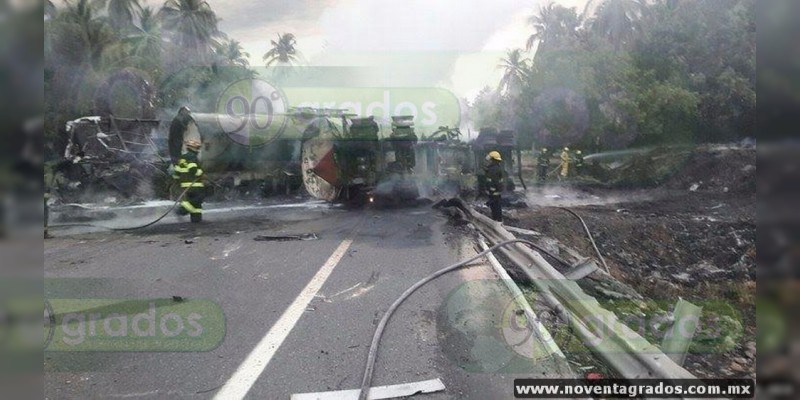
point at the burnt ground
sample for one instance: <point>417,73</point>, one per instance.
<point>692,236</point>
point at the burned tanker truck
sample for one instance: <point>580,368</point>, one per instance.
<point>347,159</point>
<point>351,162</point>
<point>128,159</point>
<point>331,154</point>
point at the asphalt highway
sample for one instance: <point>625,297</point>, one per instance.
<point>297,315</point>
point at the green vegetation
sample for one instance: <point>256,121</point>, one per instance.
<point>177,50</point>
<point>618,73</point>
<point>283,51</point>
<point>628,73</point>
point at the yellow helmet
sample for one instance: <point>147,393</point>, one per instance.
<point>193,145</point>
<point>494,155</point>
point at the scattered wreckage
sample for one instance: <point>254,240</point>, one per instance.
<point>108,155</point>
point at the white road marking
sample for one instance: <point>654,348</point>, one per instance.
<point>378,392</point>
<point>248,372</point>
<point>545,341</point>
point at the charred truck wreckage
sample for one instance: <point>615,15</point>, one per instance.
<point>331,154</point>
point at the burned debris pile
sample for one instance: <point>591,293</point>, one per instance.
<point>683,226</point>
<point>107,157</point>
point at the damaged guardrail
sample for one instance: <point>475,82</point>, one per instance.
<point>625,351</point>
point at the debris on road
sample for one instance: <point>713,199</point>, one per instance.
<point>285,238</point>
<point>404,390</point>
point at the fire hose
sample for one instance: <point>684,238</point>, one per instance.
<point>175,204</point>
<point>373,350</point>
<point>591,238</point>
<point>369,369</point>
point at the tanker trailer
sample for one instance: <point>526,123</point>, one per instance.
<point>444,164</point>
<point>347,160</point>
<point>267,159</point>
<point>397,184</point>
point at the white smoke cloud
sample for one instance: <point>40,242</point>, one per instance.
<point>470,36</point>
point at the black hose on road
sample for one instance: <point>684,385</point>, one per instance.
<point>132,228</point>
<point>369,369</point>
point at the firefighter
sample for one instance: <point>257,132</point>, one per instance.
<point>543,162</point>
<point>579,164</point>
<point>494,183</point>
<point>177,133</point>
<point>190,176</point>
<point>565,160</point>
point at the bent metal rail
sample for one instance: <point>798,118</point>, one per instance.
<point>628,353</point>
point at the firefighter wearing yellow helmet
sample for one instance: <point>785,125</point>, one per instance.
<point>494,183</point>
<point>579,162</point>
<point>565,160</point>
<point>190,176</point>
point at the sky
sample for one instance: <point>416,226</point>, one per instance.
<point>453,44</point>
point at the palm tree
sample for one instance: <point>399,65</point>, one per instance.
<point>231,53</point>
<point>121,13</point>
<point>283,51</point>
<point>539,22</point>
<point>616,20</point>
<point>93,33</point>
<point>145,41</point>
<point>77,40</point>
<point>554,25</point>
<point>515,71</point>
<point>193,25</point>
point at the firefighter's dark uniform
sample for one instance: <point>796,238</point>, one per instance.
<point>579,163</point>
<point>190,175</point>
<point>494,185</point>
<point>543,162</point>
<point>177,131</point>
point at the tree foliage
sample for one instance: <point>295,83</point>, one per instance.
<point>630,72</point>
<point>283,51</point>
<point>177,49</point>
